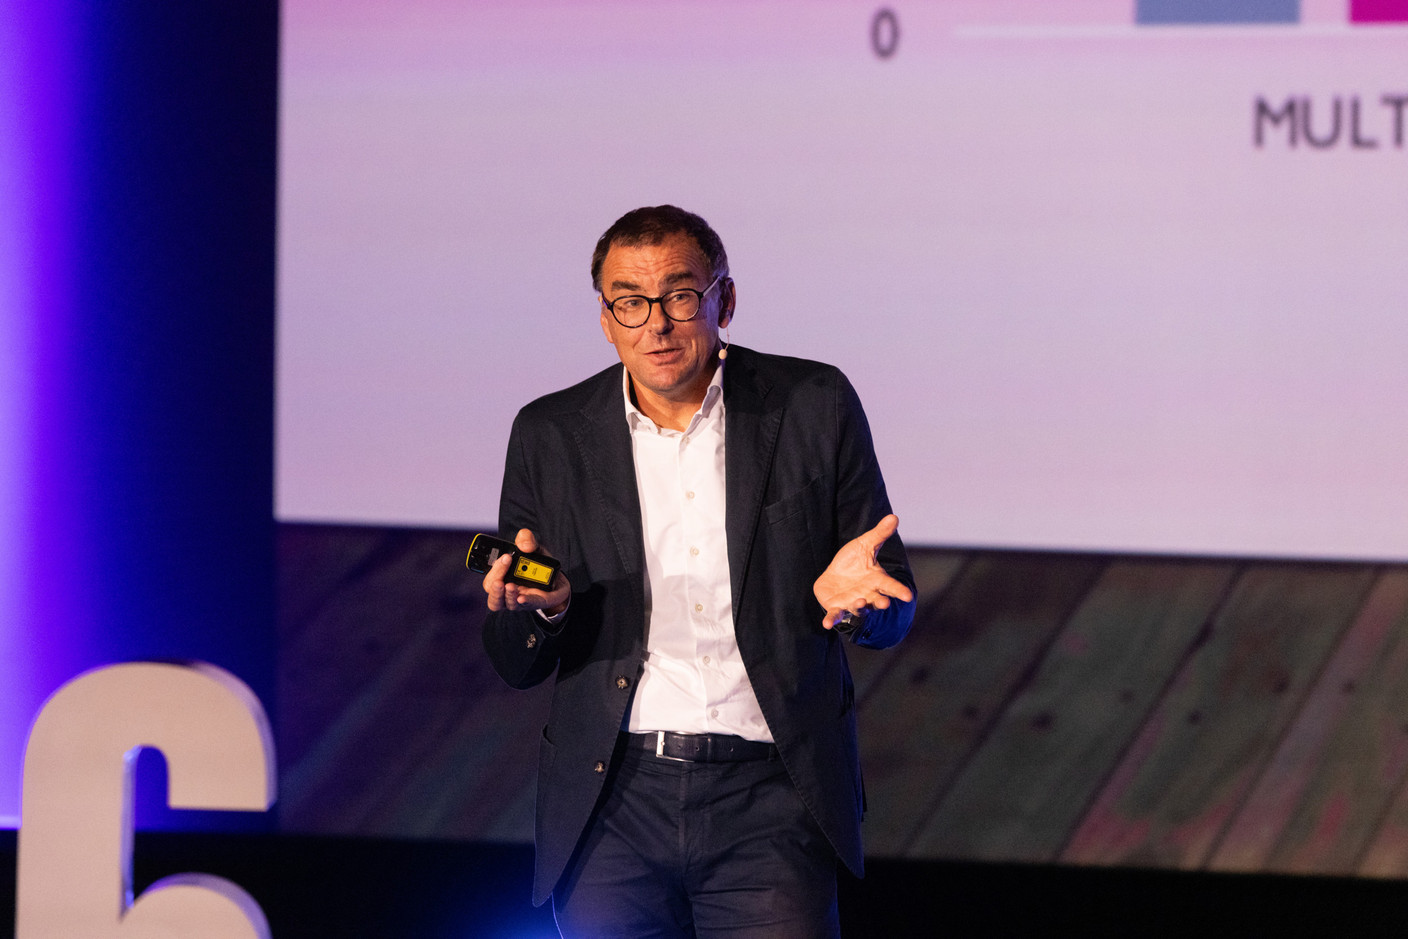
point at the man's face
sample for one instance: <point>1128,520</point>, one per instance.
<point>669,360</point>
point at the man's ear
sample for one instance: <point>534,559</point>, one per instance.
<point>728,297</point>
<point>606,322</point>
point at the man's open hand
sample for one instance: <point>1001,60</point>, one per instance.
<point>853,581</point>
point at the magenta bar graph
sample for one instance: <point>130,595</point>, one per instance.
<point>1378,11</point>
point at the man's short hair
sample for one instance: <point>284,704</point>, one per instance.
<point>651,225</point>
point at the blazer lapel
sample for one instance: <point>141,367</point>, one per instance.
<point>751,422</point>
<point>604,449</point>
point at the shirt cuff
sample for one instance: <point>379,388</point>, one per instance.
<point>847,623</point>
<point>554,620</point>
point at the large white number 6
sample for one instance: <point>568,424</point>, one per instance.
<point>75,840</point>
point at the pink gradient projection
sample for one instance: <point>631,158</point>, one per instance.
<point>1084,308</point>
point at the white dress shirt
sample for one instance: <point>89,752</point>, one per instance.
<point>694,680</point>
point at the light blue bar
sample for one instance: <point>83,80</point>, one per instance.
<point>1150,12</point>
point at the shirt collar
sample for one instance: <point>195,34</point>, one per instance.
<point>713,399</point>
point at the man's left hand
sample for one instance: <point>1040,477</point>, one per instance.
<point>853,581</point>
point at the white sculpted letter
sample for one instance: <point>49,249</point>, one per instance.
<point>75,840</point>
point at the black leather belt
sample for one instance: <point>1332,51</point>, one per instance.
<point>701,748</point>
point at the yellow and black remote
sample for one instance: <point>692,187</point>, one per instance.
<point>527,570</point>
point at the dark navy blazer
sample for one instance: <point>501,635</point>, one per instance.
<point>801,481</point>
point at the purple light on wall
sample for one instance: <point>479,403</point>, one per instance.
<point>135,373</point>
<point>13,395</point>
<point>38,603</point>
<point>1378,11</point>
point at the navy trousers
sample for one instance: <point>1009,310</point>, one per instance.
<point>699,850</point>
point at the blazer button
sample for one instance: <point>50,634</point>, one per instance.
<point>621,682</point>
<point>600,767</point>
<point>532,640</point>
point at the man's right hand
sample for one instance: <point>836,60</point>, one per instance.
<point>503,595</point>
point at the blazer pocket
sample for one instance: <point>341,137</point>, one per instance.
<point>796,503</point>
<point>799,521</point>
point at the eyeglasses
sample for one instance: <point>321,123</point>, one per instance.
<point>681,305</point>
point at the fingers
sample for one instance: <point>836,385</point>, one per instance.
<point>503,594</point>
<point>896,589</point>
<point>878,597</point>
<point>875,592</point>
<point>495,586</point>
<point>523,598</point>
<point>517,596</point>
<point>858,607</point>
<point>881,533</point>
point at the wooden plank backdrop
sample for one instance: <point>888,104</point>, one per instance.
<point>1191,765</point>
<point>1222,714</point>
<point>1328,786</point>
<point>1088,695</point>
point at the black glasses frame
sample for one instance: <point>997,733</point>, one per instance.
<point>651,301</point>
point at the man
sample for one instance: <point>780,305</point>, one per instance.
<point>722,527</point>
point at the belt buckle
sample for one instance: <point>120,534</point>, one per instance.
<point>660,749</point>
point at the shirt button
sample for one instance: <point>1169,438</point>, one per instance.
<point>689,495</point>
<point>706,660</point>
<point>699,608</point>
<point>714,712</point>
<point>694,552</point>
<point>600,767</point>
<point>621,682</point>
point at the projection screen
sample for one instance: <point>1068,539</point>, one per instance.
<point>1108,276</point>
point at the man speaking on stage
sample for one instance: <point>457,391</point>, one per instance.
<point>723,532</point>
